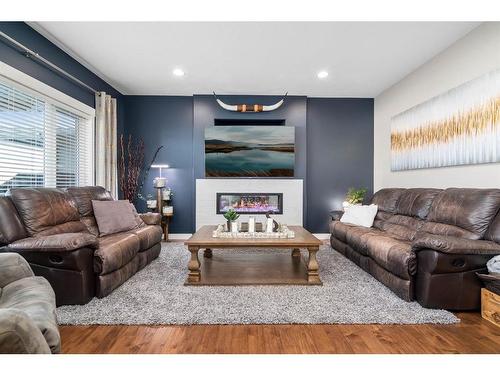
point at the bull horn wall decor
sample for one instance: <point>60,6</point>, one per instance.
<point>250,107</point>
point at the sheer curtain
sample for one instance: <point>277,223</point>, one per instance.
<point>105,144</point>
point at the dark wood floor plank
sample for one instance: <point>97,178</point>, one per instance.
<point>472,335</point>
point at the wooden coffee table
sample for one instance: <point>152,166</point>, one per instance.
<point>269,267</point>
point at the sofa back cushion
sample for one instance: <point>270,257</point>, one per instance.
<point>83,197</point>
<point>46,211</point>
<point>387,199</point>
<point>416,202</point>
<point>461,212</point>
<point>11,227</point>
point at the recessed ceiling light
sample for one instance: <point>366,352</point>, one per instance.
<point>322,74</point>
<point>178,72</point>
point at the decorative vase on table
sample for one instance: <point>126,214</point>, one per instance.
<point>231,216</point>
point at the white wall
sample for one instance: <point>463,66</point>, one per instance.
<point>470,57</point>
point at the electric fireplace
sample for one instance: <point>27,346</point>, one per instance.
<point>250,203</point>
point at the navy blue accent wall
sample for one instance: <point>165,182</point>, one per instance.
<point>293,111</point>
<point>339,154</point>
<point>167,121</point>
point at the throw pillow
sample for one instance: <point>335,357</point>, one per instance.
<point>360,215</point>
<point>113,216</point>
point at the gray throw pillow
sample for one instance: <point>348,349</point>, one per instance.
<point>114,216</point>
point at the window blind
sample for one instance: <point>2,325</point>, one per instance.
<point>43,143</point>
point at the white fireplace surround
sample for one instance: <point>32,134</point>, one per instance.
<point>207,189</point>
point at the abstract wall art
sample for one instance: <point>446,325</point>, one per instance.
<point>459,127</point>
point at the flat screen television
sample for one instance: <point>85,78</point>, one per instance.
<point>249,151</point>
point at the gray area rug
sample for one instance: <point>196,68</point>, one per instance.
<point>156,295</point>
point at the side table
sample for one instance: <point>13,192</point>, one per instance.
<point>165,221</point>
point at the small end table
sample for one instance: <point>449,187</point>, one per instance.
<point>165,221</point>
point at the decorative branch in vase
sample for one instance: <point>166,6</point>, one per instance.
<point>130,165</point>
<point>146,173</point>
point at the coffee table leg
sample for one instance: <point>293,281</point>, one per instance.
<point>296,253</point>
<point>194,265</point>
<point>207,253</point>
<point>313,267</point>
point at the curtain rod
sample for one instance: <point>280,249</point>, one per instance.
<point>31,54</point>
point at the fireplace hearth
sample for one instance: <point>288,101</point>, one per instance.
<point>250,203</point>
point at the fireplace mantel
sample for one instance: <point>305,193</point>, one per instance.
<point>207,189</point>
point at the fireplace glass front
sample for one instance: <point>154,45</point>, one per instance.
<point>250,203</point>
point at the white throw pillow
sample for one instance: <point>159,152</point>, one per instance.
<point>360,215</point>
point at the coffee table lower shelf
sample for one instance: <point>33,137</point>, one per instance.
<point>253,269</point>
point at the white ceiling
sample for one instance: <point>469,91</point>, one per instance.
<point>362,58</point>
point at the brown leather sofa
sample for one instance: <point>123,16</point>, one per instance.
<point>426,244</point>
<point>56,232</point>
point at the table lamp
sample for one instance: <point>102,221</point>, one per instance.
<point>159,182</point>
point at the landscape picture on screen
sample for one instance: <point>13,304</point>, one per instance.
<point>249,151</point>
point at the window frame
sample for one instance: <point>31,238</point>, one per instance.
<point>32,86</point>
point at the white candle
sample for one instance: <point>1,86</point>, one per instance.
<point>251,224</point>
<point>269,225</point>
<point>234,227</point>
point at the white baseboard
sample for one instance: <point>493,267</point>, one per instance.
<point>179,236</point>
<point>185,236</point>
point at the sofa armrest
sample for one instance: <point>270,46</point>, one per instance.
<point>55,242</point>
<point>13,267</point>
<point>336,215</point>
<point>151,218</point>
<point>454,245</point>
<point>20,335</point>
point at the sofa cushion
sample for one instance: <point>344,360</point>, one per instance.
<point>115,251</point>
<point>35,297</point>
<point>149,235</point>
<point>339,229</point>
<point>387,199</point>
<point>454,245</point>
<point>84,196</point>
<point>11,227</point>
<point>150,218</point>
<point>357,238</point>
<point>55,242</point>
<point>392,254</point>
<point>114,216</point>
<point>360,215</point>
<point>403,227</point>
<point>493,233</point>
<point>469,209</point>
<point>416,202</point>
<point>43,209</point>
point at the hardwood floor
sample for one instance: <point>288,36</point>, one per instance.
<point>472,335</point>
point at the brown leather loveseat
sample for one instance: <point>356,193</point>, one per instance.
<point>427,244</point>
<point>56,232</point>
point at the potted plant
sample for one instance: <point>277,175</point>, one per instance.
<point>231,216</point>
<point>354,197</point>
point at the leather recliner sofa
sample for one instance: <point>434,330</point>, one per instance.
<point>56,232</point>
<point>426,244</point>
<point>28,323</point>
